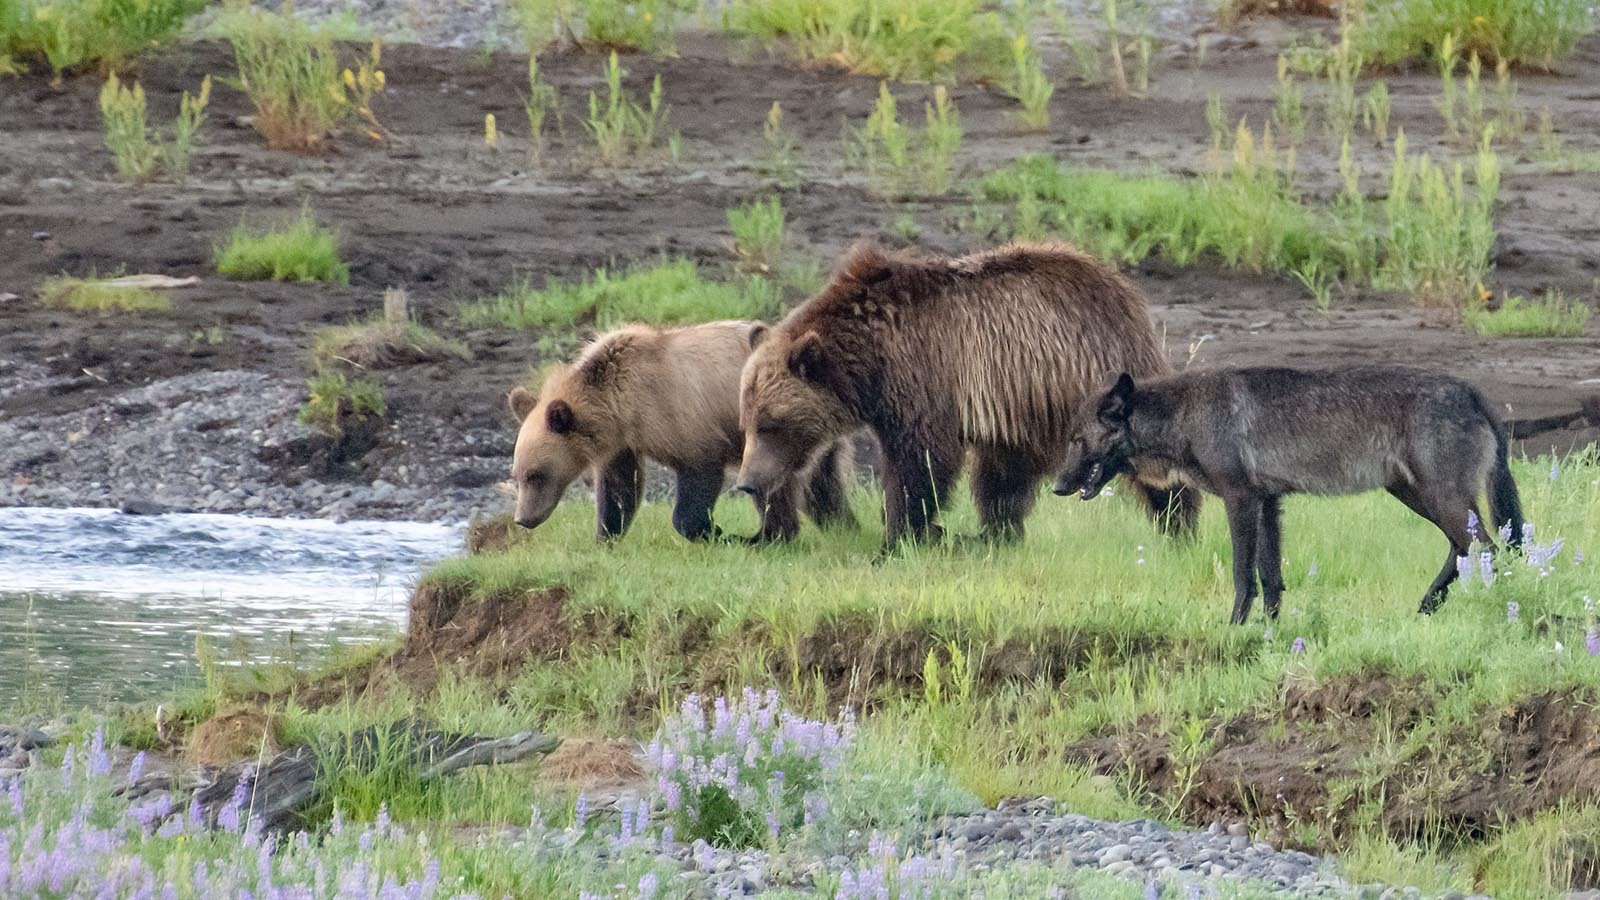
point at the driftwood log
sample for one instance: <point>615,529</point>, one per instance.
<point>276,791</point>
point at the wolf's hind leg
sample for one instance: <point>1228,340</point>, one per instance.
<point>1449,516</point>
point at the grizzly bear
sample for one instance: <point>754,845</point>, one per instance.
<point>671,395</point>
<point>993,353</point>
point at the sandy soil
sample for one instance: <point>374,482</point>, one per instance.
<point>433,210</point>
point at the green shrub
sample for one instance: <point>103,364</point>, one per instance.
<point>335,401</point>
<point>901,161</point>
<point>621,128</point>
<point>1030,85</point>
<point>290,70</point>
<point>1439,235</point>
<point>140,156</point>
<point>902,39</point>
<point>380,344</point>
<point>758,233</point>
<point>100,295</point>
<point>670,293</point>
<point>617,24</point>
<point>1523,32</point>
<point>302,250</point>
<point>1552,315</point>
<point>73,35</point>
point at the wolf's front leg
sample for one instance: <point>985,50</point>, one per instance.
<point>1244,520</point>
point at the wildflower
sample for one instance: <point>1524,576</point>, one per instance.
<point>1555,469</point>
<point>647,885</point>
<point>580,811</point>
<point>1463,568</point>
<point>1591,642</point>
<point>136,768</point>
<point>1152,891</point>
<point>1298,647</point>
<point>1527,532</point>
<point>1505,533</point>
<point>1486,568</point>
<point>1511,611</point>
<point>1474,524</point>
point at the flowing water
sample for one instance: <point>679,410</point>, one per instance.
<point>97,606</point>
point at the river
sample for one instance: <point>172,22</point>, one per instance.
<point>98,607</point>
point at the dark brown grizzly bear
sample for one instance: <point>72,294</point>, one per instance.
<point>993,353</point>
<point>671,395</point>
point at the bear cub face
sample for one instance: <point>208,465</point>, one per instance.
<point>785,408</point>
<point>560,438</point>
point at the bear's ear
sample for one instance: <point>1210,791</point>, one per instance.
<point>1117,402</point>
<point>559,417</point>
<point>758,333</point>
<point>805,357</point>
<point>521,402</point>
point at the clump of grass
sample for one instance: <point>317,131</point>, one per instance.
<point>1375,112</point>
<point>141,156</point>
<point>1341,110</point>
<point>1030,85</point>
<point>1438,234</point>
<point>670,293</point>
<point>1533,33</point>
<point>780,164</point>
<point>390,340</point>
<point>758,234</point>
<point>900,39</point>
<point>290,69</point>
<point>301,250</point>
<point>616,24</point>
<point>1552,315</point>
<point>1288,112</point>
<point>901,161</point>
<point>335,401</point>
<point>539,105</point>
<point>621,128</point>
<point>100,295</point>
<point>74,35</point>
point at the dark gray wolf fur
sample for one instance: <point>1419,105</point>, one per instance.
<point>1252,435</point>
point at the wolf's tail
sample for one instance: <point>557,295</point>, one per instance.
<point>1505,506</point>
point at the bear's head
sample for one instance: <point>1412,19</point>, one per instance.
<point>786,408</point>
<point>565,429</point>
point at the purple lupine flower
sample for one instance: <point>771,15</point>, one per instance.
<point>1474,525</point>
<point>773,825</point>
<point>580,811</point>
<point>1463,568</point>
<point>1151,890</point>
<point>648,886</point>
<point>1505,533</point>
<point>1486,568</point>
<point>14,794</point>
<point>1591,642</point>
<point>136,768</point>
<point>1298,647</point>
<point>1527,532</point>
<point>1512,608</point>
<point>99,759</point>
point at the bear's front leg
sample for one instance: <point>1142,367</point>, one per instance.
<point>780,514</point>
<point>697,496</point>
<point>618,485</point>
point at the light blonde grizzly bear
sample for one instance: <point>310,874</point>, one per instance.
<point>990,355</point>
<point>667,394</point>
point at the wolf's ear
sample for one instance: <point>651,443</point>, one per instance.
<point>1117,402</point>
<point>521,402</point>
<point>758,333</point>
<point>805,358</point>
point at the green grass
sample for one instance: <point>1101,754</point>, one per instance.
<point>901,39</point>
<point>300,250</point>
<point>1529,33</point>
<point>669,293</point>
<point>598,24</point>
<point>1551,315</point>
<point>100,295</point>
<point>290,68</point>
<point>75,35</point>
<point>622,128</point>
<point>989,664</point>
<point>758,233</point>
<point>380,344</point>
<point>335,400</point>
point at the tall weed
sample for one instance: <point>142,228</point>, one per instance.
<point>74,35</point>
<point>141,156</point>
<point>901,161</point>
<point>621,128</point>
<point>901,39</point>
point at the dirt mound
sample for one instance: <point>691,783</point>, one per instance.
<point>495,534</point>
<point>1321,755</point>
<point>586,763</point>
<point>237,732</point>
<point>490,638</point>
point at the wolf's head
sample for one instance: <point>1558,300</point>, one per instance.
<point>1101,446</point>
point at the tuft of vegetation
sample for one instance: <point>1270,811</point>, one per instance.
<point>901,161</point>
<point>1439,234</point>
<point>1288,111</point>
<point>290,69</point>
<point>392,339</point>
<point>670,293</point>
<point>1552,315</point>
<point>100,295</point>
<point>335,401</point>
<point>621,128</point>
<point>540,104</point>
<point>301,250</point>
<point>758,234</point>
<point>900,39</point>
<point>76,35</point>
<point>1530,33</point>
<point>780,164</point>
<point>648,25</point>
<point>1030,85</point>
<point>141,155</point>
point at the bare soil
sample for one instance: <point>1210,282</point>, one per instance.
<point>432,209</point>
